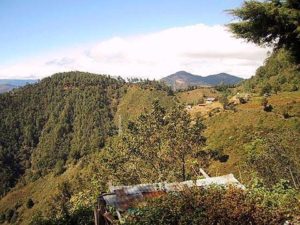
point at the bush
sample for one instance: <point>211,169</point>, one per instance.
<point>266,107</point>
<point>2,218</point>
<point>29,203</point>
<point>242,100</point>
<point>213,205</point>
<point>9,215</point>
<point>83,216</point>
<point>286,115</point>
<point>59,167</point>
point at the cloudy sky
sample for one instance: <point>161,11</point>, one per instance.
<point>129,38</point>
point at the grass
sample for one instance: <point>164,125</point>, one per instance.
<point>234,131</point>
<point>137,100</point>
<point>227,130</point>
<point>192,97</point>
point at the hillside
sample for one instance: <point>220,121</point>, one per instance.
<point>183,79</point>
<point>61,123</point>
<point>131,106</point>
<point>58,120</point>
<point>254,138</point>
<point>279,73</point>
<point>64,123</point>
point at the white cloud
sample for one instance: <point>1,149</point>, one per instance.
<point>199,49</point>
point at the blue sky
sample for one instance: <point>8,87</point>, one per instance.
<point>32,29</point>
<point>33,26</point>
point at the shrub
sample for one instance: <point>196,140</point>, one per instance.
<point>2,218</point>
<point>266,107</point>
<point>9,215</point>
<point>59,167</point>
<point>286,115</point>
<point>242,100</point>
<point>213,205</point>
<point>29,203</point>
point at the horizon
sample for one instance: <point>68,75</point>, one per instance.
<point>145,40</point>
<point>115,76</point>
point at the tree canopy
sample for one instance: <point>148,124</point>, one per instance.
<point>162,145</point>
<point>274,23</point>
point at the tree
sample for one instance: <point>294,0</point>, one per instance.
<point>273,23</point>
<point>29,203</point>
<point>224,101</point>
<point>266,106</point>
<point>159,146</point>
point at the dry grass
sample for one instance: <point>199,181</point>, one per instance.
<point>137,100</point>
<point>193,96</point>
<point>232,131</point>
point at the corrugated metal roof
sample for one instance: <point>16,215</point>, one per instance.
<point>123,197</point>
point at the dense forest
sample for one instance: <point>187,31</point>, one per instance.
<point>58,120</point>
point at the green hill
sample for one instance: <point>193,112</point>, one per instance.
<point>266,144</point>
<point>279,73</point>
<point>58,120</point>
<point>53,132</point>
<point>138,99</point>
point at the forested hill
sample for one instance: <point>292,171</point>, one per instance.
<point>280,72</point>
<point>58,120</point>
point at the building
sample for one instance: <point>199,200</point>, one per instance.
<point>123,198</point>
<point>210,100</point>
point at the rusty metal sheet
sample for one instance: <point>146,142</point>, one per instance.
<point>124,197</point>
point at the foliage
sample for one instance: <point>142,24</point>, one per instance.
<point>59,167</point>
<point>61,213</point>
<point>79,217</point>
<point>266,106</point>
<point>270,151</point>
<point>60,119</point>
<point>273,140</point>
<point>225,88</point>
<point>29,203</point>
<point>272,22</point>
<point>160,146</point>
<point>279,73</point>
<point>224,101</point>
<point>217,205</point>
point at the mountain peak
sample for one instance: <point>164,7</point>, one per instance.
<point>183,79</point>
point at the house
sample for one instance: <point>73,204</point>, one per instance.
<point>210,100</point>
<point>188,107</point>
<point>123,198</point>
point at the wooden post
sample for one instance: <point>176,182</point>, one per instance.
<point>96,216</point>
<point>99,211</point>
<point>293,178</point>
<point>203,173</point>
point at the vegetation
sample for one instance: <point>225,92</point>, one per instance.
<point>273,23</point>
<point>160,145</point>
<point>279,73</point>
<point>63,139</point>
<point>265,136</point>
<point>60,119</point>
<point>216,205</point>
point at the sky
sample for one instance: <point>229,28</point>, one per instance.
<point>132,38</point>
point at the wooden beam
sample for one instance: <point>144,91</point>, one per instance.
<point>203,173</point>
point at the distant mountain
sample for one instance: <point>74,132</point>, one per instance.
<point>6,87</point>
<point>9,84</point>
<point>183,79</point>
